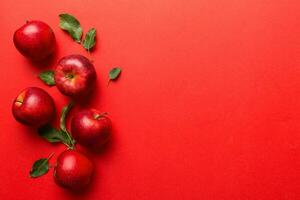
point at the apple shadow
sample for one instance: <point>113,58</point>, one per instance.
<point>47,62</point>
<point>85,100</point>
<point>104,149</point>
<point>83,192</point>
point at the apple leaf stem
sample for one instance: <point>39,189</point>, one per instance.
<point>50,156</point>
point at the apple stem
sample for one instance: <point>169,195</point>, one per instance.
<point>98,116</point>
<point>104,113</point>
<point>70,76</point>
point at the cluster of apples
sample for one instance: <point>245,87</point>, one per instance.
<point>75,77</point>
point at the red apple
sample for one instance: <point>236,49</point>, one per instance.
<point>35,40</point>
<point>91,128</point>
<point>73,170</point>
<point>34,107</point>
<point>75,75</point>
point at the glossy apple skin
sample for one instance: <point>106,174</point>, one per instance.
<point>35,40</point>
<point>73,170</point>
<point>75,75</point>
<point>90,128</point>
<point>33,107</point>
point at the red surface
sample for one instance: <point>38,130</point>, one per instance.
<point>208,105</point>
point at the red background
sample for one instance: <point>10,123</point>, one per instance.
<point>207,107</point>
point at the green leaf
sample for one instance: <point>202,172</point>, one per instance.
<point>47,77</point>
<point>114,73</point>
<point>89,40</point>
<point>53,135</point>
<point>70,24</point>
<point>40,167</point>
<point>64,114</point>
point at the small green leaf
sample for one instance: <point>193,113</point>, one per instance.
<point>40,167</point>
<point>70,24</point>
<point>114,73</point>
<point>64,114</point>
<point>47,77</point>
<point>53,135</point>
<point>89,40</point>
